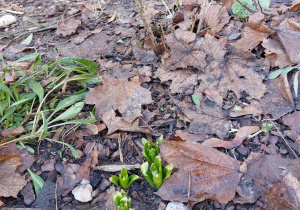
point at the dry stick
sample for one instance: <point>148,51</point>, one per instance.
<point>148,29</point>
<point>189,191</point>
<point>285,141</point>
<point>246,7</point>
<point>56,196</point>
<point>120,148</point>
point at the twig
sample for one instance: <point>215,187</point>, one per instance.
<point>189,191</point>
<point>115,168</point>
<point>56,196</point>
<point>246,7</point>
<point>167,8</point>
<point>281,135</point>
<point>120,148</point>
<point>29,32</point>
<point>148,28</point>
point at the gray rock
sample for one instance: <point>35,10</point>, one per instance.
<point>176,206</point>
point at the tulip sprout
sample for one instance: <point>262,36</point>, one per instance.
<point>121,200</point>
<point>156,176</point>
<point>151,152</point>
<point>123,179</point>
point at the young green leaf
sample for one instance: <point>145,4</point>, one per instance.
<point>38,182</point>
<point>73,150</point>
<point>196,99</point>
<point>73,122</point>
<point>36,62</point>
<point>45,127</point>
<point>28,40</point>
<point>28,57</point>
<point>132,178</point>
<point>115,180</point>
<point>5,89</point>
<point>167,171</point>
<point>68,102</point>
<point>69,113</point>
<point>146,173</point>
<point>89,65</point>
<point>287,70</point>
<point>37,88</point>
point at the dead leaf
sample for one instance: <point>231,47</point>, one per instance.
<point>213,174</point>
<point>290,41</point>
<point>11,131</point>
<point>115,123</point>
<point>247,110</point>
<point>11,182</point>
<point>276,101</point>
<point>242,134</point>
<point>182,80</point>
<point>250,38</point>
<point>9,77</point>
<point>216,17</point>
<point>84,169</point>
<point>91,48</point>
<point>293,121</point>
<point>268,171</point>
<point>210,119</point>
<point>185,36</point>
<point>95,157</point>
<point>189,136</point>
<point>276,53</point>
<point>28,194</point>
<point>26,159</point>
<point>68,26</point>
<point>120,95</point>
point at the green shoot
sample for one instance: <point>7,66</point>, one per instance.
<point>123,179</point>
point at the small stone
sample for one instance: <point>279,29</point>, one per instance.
<point>217,205</point>
<point>134,194</point>
<point>176,206</point>
<point>95,192</point>
<point>67,199</point>
<point>104,184</point>
<point>28,194</point>
<point>162,206</point>
<point>259,203</point>
<point>83,193</point>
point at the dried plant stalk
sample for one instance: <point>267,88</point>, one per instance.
<point>147,26</point>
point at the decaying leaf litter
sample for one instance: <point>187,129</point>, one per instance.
<point>231,122</point>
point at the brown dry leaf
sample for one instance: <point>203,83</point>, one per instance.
<point>180,55</point>
<point>242,134</point>
<point>210,119</point>
<point>11,182</point>
<point>250,38</point>
<point>246,111</point>
<point>290,41</point>
<point>185,36</point>
<point>68,26</point>
<point>84,169</point>
<point>216,17</point>
<point>213,174</point>
<point>91,48</point>
<point>9,77</point>
<point>189,136</point>
<point>12,131</point>
<point>120,95</point>
<point>115,123</point>
<point>293,121</point>
<point>243,77</point>
<point>26,159</point>
<point>276,101</point>
<point>269,171</point>
<point>276,53</point>
<point>95,157</point>
<point>182,80</point>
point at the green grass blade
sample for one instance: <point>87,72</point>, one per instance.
<point>69,113</point>
<point>6,90</point>
<point>73,150</point>
<point>37,88</point>
<point>296,84</point>
<point>38,182</point>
